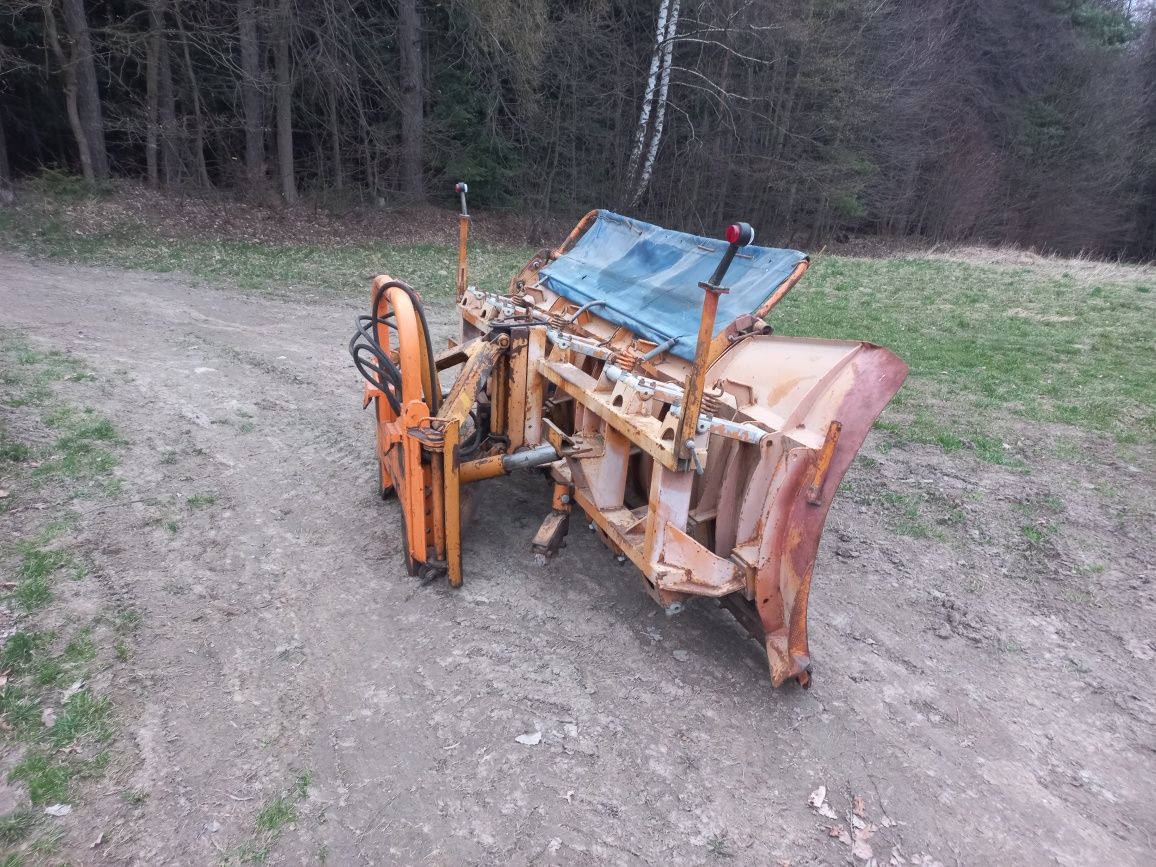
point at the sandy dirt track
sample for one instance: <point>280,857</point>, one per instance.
<point>958,691</point>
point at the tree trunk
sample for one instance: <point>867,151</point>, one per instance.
<point>198,118</point>
<point>152,77</point>
<point>87,92</point>
<point>667,45</point>
<point>284,103</point>
<point>648,94</point>
<point>68,71</point>
<point>5,169</point>
<point>171,162</point>
<point>409,36</point>
<point>251,101</point>
<point>335,138</point>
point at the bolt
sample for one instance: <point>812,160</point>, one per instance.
<point>673,608</point>
<point>591,525</point>
<point>566,499</point>
<point>621,558</point>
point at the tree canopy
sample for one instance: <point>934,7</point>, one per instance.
<point>1032,123</point>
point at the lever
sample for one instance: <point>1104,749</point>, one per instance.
<point>461,189</point>
<point>738,235</point>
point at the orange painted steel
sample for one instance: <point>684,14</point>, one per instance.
<point>712,476</point>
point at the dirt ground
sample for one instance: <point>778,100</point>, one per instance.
<point>992,700</point>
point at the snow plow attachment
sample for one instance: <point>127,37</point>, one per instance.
<point>634,368</point>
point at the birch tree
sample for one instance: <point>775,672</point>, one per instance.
<point>653,101</point>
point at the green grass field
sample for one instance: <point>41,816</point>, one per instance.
<point>987,345</point>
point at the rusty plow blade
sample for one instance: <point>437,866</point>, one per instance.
<point>634,369</point>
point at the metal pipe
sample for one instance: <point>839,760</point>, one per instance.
<point>662,347</point>
<point>533,457</point>
<point>503,465</point>
<point>589,305</point>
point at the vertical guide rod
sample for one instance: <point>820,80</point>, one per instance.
<point>738,235</point>
<point>461,188</point>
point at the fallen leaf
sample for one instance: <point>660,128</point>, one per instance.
<point>48,717</point>
<point>826,811</point>
<point>888,822</point>
<point>818,797</point>
<point>840,833</point>
<point>58,810</point>
<point>858,807</point>
<point>99,839</point>
<point>4,676</point>
<point>531,739</point>
<point>856,822</point>
<point>861,848</point>
<point>72,690</point>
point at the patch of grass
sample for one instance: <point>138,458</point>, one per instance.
<point>716,845</point>
<point>80,452</point>
<point>44,232</point>
<point>1008,646</point>
<point>17,826</point>
<point>12,451</point>
<point>277,813</point>
<point>1026,342</point>
<point>34,572</point>
<point>19,710</point>
<point>201,501</point>
<point>49,841</point>
<point>46,778</point>
<point>126,620</point>
<point>40,663</point>
<point>171,526</point>
<point>80,649</point>
<point>907,514</point>
<point>62,186</point>
<point>1038,533</point>
<point>84,716</point>
<point>271,821</point>
<point>22,649</point>
<point>245,427</point>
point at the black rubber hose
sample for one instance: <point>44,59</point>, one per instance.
<point>370,357</point>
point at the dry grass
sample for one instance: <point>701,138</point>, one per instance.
<point>1083,268</point>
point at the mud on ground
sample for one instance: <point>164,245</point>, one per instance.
<point>982,695</point>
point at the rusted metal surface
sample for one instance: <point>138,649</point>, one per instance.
<point>712,476</point>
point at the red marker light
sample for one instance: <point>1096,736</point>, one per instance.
<point>459,187</point>
<point>734,233</point>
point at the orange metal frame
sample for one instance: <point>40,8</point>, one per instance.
<point>713,477</point>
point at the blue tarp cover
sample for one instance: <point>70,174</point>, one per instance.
<point>649,277</point>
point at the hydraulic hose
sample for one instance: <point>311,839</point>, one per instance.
<point>372,359</point>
